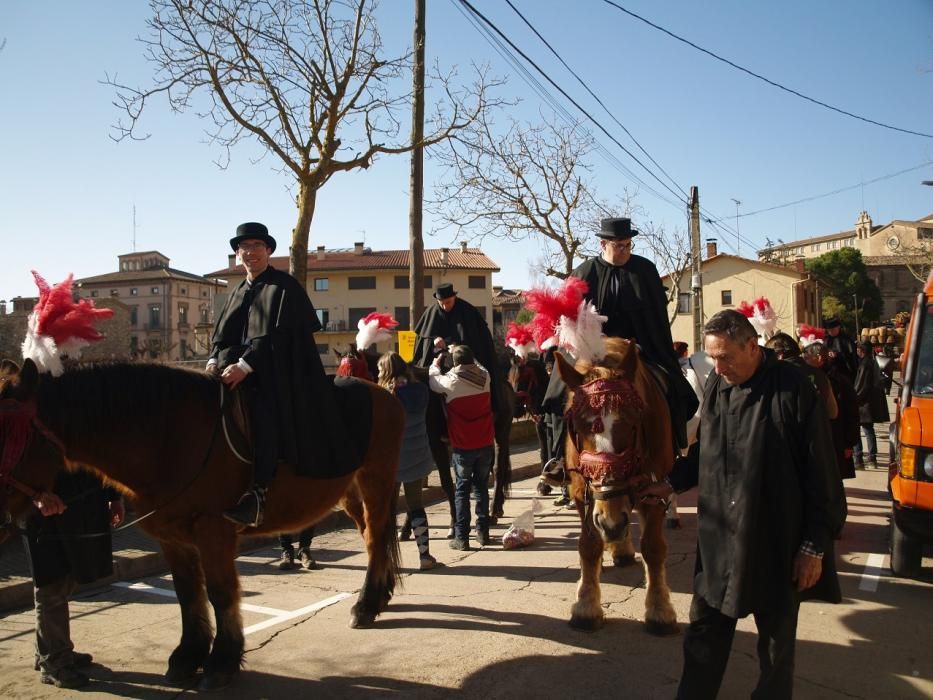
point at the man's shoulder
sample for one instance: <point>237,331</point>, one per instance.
<point>583,269</point>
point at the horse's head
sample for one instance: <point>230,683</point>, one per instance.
<point>606,446</point>
<point>354,363</point>
<point>30,456</point>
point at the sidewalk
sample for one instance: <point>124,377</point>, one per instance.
<point>136,555</point>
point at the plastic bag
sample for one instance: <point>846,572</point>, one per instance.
<point>521,532</point>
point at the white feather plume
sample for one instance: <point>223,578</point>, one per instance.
<point>583,336</point>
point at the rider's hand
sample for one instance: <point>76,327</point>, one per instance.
<point>232,376</point>
<point>440,343</point>
<point>659,490</point>
<point>49,504</point>
<point>212,369</point>
<point>117,512</point>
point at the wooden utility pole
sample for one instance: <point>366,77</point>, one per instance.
<point>416,201</point>
<point>696,275</point>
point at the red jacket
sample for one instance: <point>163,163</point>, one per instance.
<point>469,411</point>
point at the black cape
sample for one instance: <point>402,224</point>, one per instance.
<point>53,549</point>
<point>843,349</point>
<point>639,312</point>
<point>766,485</point>
<point>279,345</point>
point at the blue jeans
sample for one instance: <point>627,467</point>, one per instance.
<point>868,429</point>
<point>472,468</point>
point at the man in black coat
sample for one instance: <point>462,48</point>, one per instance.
<point>455,321</point>
<point>840,346</point>
<point>264,341</point>
<point>627,289</point>
<point>68,543</point>
<point>770,504</point>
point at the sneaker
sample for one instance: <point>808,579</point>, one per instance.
<point>482,538</point>
<point>871,464</point>
<point>65,677</point>
<point>404,532</point>
<point>248,510</point>
<point>450,533</point>
<point>287,562</point>
<point>459,544</point>
<point>305,558</point>
<point>427,562</point>
<point>562,500</point>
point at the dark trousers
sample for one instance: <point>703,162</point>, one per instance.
<point>708,641</point>
<point>263,414</point>
<point>54,649</point>
<point>472,468</point>
<point>304,538</point>
<point>871,440</point>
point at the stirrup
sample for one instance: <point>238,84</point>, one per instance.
<point>244,512</point>
<point>554,472</point>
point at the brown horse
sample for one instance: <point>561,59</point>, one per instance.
<point>156,432</point>
<point>618,440</point>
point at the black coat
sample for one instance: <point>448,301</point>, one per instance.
<point>844,353</point>
<point>845,427</point>
<point>53,549</point>
<point>768,482</point>
<point>869,388</point>
<point>279,346</point>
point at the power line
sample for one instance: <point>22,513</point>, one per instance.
<point>763,78</point>
<point>631,155</point>
<point>835,192</point>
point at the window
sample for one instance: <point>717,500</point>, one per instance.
<point>155,316</point>
<point>323,317</point>
<point>93,293</point>
<point>182,314</point>
<point>323,348</point>
<point>182,349</point>
<point>134,316</point>
<point>183,291</point>
<point>203,292</point>
<point>204,314</point>
<point>925,234</point>
<point>727,297</point>
<point>114,292</point>
<point>134,292</point>
<point>683,302</point>
<point>401,282</point>
<point>428,281</point>
<point>368,282</point>
<point>155,290</point>
<point>403,318</point>
<point>320,284</point>
<point>477,282</point>
<point>354,315</point>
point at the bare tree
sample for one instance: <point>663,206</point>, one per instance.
<point>530,183</point>
<point>304,78</point>
<point>670,252</point>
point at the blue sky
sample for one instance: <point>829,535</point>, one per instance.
<point>67,190</point>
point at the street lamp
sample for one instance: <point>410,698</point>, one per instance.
<point>738,243</point>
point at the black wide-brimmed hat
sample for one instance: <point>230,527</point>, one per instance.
<point>618,229</point>
<point>831,322</point>
<point>252,231</point>
<point>444,291</point>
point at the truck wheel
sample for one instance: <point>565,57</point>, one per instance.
<point>906,553</point>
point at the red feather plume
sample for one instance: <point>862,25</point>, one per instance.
<point>60,318</point>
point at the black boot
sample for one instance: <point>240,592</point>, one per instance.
<point>248,510</point>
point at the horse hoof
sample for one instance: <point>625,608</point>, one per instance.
<point>216,680</point>
<point>623,560</point>
<point>361,621</point>
<point>586,624</point>
<point>180,675</point>
<point>661,629</point>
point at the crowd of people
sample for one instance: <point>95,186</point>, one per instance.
<point>778,432</point>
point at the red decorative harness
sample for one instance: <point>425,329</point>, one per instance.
<point>18,421</point>
<point>598,397</point>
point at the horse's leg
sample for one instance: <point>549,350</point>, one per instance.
<point>216,539</point>
<point>378,491</point>
<point>196,631</point>
<point>623,551</point>
<point>660,617</point>
<point>587,612</point>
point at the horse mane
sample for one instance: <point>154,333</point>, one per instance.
<point>124,393</point>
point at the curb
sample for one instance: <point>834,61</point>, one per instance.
<point>132,564</point>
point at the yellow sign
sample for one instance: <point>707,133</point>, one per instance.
<point>406,345</point>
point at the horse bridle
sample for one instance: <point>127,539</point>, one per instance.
<point>18,423</point>
<point>603,471</point>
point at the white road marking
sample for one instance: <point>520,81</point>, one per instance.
<point>276,616</point>
<point>874,568</point>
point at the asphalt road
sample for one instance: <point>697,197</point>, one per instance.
<point>492,623</point>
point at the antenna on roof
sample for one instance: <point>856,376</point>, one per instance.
<point>363,231</point>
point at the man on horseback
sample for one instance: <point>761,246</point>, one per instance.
<point>627,289</point>
<point>454,321</point>
<point>264,340</point>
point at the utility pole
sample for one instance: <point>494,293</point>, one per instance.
<point>696,276</point>
<point>416,201</point>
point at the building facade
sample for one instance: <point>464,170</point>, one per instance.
<point>347,284</point>
<point>171,312</point>
<point>728,280</point>
<point>890,253</point>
